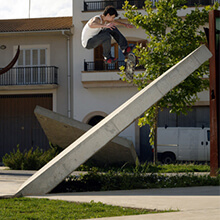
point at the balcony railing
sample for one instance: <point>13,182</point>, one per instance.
<point>100,5</point>
<point>30,76</point>
<point>100,65</point>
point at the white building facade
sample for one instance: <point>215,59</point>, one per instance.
<point>98,92</point>
<point>98,89</point>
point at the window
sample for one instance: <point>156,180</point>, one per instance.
<point>32,57</point>
<point>208,135</point>
<point>32,63</point>
<point>198,117</point>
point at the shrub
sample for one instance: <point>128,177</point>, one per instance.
<point>14,159</point>
<point>148,167</point>
<point>96,181</point>
<point>31,159</point>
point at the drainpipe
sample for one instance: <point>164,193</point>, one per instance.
<point>68,76</point>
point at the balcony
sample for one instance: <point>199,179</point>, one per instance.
<point>31,76</point>
<point>100,5</point>
<point>97,74</point>
<point>100,65</point>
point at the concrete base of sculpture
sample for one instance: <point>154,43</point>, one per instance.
<point>98,136</point>
<point>63,131</point>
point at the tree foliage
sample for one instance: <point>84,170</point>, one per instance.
<point>170,38</point>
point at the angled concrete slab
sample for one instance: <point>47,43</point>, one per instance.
<point>98,136</point>
<point>63,131</point>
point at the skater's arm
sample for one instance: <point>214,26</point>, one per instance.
<point>96,23</point>
<point>117,22</point>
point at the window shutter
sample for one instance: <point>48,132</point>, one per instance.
<point>98,51</point>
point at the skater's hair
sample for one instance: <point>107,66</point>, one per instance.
<point>110,10</point>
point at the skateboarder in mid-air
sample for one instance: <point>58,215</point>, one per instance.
<point>100,29</point>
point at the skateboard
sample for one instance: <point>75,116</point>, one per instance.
<point>130,66</point>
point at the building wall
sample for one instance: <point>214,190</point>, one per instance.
<point>20,125</point>
<point>56,44</point>
<point>88,100</point>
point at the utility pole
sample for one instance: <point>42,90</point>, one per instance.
<point>29,12</point>
<point>214,67</point>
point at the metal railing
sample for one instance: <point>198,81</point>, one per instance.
<point>30,76</point>
<point>100,5</point>
<point>201,2</point>
<point>100,65</point>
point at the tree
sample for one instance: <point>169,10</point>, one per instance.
<point>170,38</point>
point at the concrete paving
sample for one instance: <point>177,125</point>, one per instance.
<point>11,180</point>
<point>192,203</point>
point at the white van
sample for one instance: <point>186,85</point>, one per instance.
<point>183,144</point>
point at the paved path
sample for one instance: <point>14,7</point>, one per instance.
<point>11,180</point>
<point>192,202</point>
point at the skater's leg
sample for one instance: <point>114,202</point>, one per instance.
<point>119,38</point>
<point>102,38</point>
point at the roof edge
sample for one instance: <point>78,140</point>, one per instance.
<point>37,31</point>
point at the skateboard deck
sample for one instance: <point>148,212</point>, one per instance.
<point>130,66</point>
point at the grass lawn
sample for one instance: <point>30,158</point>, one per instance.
<point>115,179</point>
<point>29,208</point>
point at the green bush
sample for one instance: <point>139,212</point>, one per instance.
<point>96,181</point>
<point>14,159</point>
<point>31,159</point>
<point>149,168</point>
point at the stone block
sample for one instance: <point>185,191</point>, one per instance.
<point>62,131</point>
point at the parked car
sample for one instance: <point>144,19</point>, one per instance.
<point>183,144</point>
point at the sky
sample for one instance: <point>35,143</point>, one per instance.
<point>15,9</point>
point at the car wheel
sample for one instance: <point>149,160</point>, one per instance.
<point>168,158</point>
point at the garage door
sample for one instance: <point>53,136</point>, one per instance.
<point>18,124</point>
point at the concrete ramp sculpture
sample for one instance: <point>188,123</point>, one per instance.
<point>63,131</point>
<point>49,176</point>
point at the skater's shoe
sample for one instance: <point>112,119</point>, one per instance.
<point>128,50</point>
<point>110,60</point>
